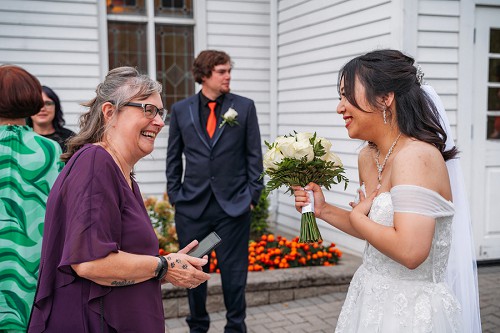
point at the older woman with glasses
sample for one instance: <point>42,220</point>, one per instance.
<point>49,122</point>
<point>99,270</point>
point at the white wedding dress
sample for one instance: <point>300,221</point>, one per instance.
<point>385,296</point>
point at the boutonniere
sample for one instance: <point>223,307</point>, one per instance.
<point>230,118</point>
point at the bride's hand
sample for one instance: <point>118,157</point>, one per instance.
<point>302,198</point>
<point>365,203</point>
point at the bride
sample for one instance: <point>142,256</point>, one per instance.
<point>413,277</point>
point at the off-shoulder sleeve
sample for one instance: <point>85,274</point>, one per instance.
<point>420,200</point>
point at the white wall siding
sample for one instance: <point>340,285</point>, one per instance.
<point>315,39</point>
<point>57,41</point>
<point>438,51</point>
<point>242,29</point>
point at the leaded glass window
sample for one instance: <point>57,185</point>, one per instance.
<point>177,8</point>
<point>137,7</point>
<point>174,58</point>
<point>127,45</point>
<point>166,52</point>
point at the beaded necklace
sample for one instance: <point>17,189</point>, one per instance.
<point>380,168</point>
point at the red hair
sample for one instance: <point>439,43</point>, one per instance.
<point>20,93</point>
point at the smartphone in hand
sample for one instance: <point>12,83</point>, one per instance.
<point>205,246</point>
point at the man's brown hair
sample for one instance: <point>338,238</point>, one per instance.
<point>205,62</point>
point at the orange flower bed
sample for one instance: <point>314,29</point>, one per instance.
<point>272,252</point>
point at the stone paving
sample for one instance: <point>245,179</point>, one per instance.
<point>489,298</point>
<point>318,314</point>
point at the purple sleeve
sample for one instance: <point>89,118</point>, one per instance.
<point>93,197</point>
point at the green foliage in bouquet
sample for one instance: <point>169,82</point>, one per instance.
<point>290,171</point>
<point>298,159</point>
<point>301,172</point>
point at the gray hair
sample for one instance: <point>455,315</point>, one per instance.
<point>121,85</point>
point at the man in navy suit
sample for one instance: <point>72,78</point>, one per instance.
<point>220,185</point>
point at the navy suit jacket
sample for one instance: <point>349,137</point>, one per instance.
<point>229,165</point>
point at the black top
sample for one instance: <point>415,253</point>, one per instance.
<point>61,136</point>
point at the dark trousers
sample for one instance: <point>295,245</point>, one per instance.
<point>232,259</point>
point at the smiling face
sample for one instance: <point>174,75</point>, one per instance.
<point>46,115</point>
<point>360,124</point>
<point>132,133</point>
<point>218,83</point>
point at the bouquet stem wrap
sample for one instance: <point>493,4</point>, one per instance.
<point>309,231</point>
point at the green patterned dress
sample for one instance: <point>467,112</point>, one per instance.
<point>29,165</point>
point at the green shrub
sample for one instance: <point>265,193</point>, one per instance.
<point>259,224</point>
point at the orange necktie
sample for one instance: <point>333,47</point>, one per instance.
<point>212,120</point>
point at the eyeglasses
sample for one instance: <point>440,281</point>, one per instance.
<point>48,103</point>
<point>150,110</point>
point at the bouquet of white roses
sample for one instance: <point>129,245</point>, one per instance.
<point>299,159</point>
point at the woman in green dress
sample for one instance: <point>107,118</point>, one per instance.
<point>29,165</point>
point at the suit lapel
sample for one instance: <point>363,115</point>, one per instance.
<point>195,118</point>
<point>228,102</point>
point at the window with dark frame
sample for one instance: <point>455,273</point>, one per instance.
<point>174,43</point>
<point>174,58</point>
<point>493,113</point>
<point>127,45</point>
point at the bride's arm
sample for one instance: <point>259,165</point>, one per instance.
<point>409,240</point>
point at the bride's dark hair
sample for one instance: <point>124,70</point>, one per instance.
<point>385,71</point>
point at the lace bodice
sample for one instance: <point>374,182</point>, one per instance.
<point>385,296</point>
<point>412,199</point>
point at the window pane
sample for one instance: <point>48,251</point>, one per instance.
<point>136,7</point>
<point>174,58</point>
<point>494,127</point>
<point>494,70</point>
<point>493,99</point>
<point>127,45</point>
<point>494,40</point>
<point>176,8</point>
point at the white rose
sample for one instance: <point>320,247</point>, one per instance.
<point>285,146</point>
<point>303,136</point>
<point>327,145</point>
<point>281,139</point>
<point>230,114</point>
<point>332,157</point>
<point>303,148</point>
<point>271,158</point>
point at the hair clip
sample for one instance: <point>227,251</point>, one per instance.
<point>420,75</point>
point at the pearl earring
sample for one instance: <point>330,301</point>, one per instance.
<point>384,114</point>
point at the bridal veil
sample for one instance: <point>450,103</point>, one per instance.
<point>462,268</point>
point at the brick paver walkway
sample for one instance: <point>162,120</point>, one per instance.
<point>489,298</point>
<point>319,314</point>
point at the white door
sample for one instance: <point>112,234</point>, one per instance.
<point>485,201</point>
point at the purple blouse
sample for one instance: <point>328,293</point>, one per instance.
<point>91,212</point>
